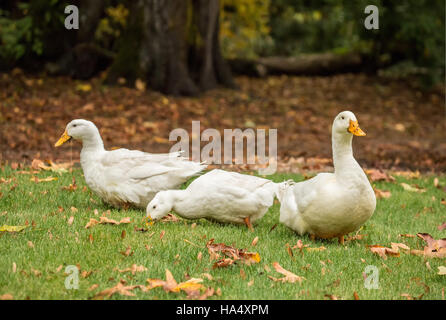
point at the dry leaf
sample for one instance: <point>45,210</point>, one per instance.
<point>383,252</point>
<point>70,220</point>
<point>378,175</point>
<point>410,188</point>
<point>120,288</point>
<point>442,227</point>
<point>6,228</point>
<point>289,276</point>
<point>380,194</point>
<point>133,269</point>
<point>442,270</point>
<point>105,220</point>
<point>6,296</point>
<point>254,242</point>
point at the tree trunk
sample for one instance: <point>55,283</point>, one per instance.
<point>158,52</point>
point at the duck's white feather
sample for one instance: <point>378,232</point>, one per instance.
<point>219,195</point>
<point>330,204</point>
<point>128,177</point>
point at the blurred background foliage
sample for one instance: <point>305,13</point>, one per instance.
<point>410,41</point>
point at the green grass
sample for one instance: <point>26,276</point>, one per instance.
<point>403,213</point>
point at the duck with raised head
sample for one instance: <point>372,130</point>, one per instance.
<point>125,177</point>
<point>331,205</point>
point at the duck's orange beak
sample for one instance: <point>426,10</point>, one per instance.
<point>355,129</point>
<point>64,138</point>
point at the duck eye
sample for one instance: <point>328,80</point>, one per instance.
<point>342,118</point>
<point>154,207</point>
<point>74,125</point>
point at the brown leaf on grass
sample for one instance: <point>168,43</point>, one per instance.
<point>378,175</point>
<point>382,194</point>
<point>6,296</point>
<point>254,242</point>
<point>356,237</point>
<point>170,218</point>
<point>70,220</point>
<point>133,269</point>
<point>127,252</point>
<point>289,276</point>
<point>162,234</point>
<point>192,286</point>
<point>442,226</point>
<point>38,180</point>
<point>93,287</point>
<point>410,188</point>
<point>408,174</point>
<point>432,244</point>
<point>383,252</point>
<point>49,165</point>
<point>222,263</point>
<point>407,235</point>
<point>232,253</point>
<point>121,289</point>
<point>30,244</point>
<point>123,234</point>
<point>356,296</point>
<point>331,297</point>
<point>442,271</point>
<point>105,220</point>
<point>72,186</point>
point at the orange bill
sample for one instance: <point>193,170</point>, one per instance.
<point>64,138</point>
<point>355,129</point>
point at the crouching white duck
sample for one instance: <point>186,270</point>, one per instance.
<point>218,195</point>
<point>331,204</point>
<point>125,177</point>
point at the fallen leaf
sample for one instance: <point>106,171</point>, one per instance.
<point>382,194</point>
<point>410,188</point>
<point>105,220</point>
<point>6,228</point>
<point>38,180</point>
<point>6,296</point>
<point>383,252</point>
<point>232,253</point>
<point>121,289</point>
<point>70,220</point>
<point>170,218</point>
<point>289,276</point>
<point>93,287</point>
<point>133,269</point>
<point>254,242</point>
<point>378,175</point>
<point>30,244</point>
<point>442,227</point>
<point>442,271</point>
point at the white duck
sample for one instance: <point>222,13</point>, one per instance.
<point>331,204</point>
<point>125,177</point>
<point>218,195</point>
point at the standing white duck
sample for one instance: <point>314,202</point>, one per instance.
<point>331,204</point>
<point>125,177</point>
<point>218,195</point>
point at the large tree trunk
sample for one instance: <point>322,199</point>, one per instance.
<point>158,52</point>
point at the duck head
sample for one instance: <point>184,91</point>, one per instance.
<point>160,205</point>
<point>79,129</point>
<point>346,123</point>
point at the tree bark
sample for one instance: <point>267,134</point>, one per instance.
<point>159,52</point>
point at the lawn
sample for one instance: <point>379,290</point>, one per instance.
<point>33,261</point>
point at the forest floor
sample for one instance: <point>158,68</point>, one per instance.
<point>405,126</point>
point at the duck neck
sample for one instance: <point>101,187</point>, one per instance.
<point>179,199</point>
<point>93,143</point>
<point>343,159</point>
